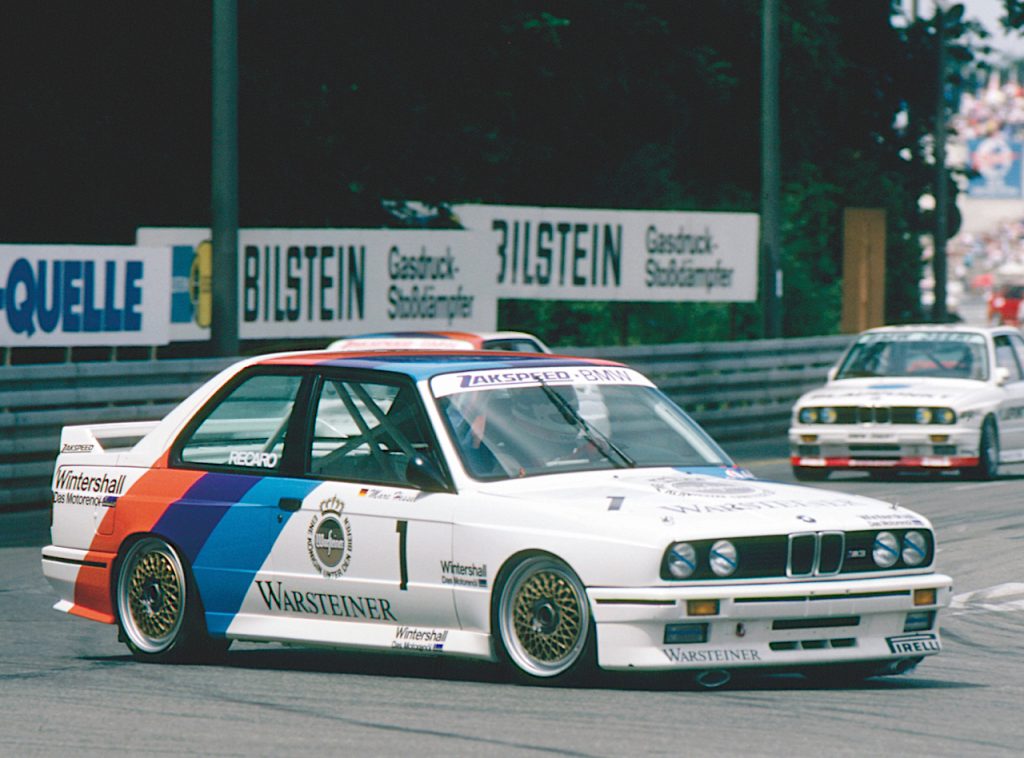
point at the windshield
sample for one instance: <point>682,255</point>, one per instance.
<point>950,355</point>
<point>512,432</point>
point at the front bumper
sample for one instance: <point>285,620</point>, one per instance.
<point>901,447</point>
<point>777,625</point>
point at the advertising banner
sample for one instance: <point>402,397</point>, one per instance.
<point>330,283</point>
<point>590,254</point>
<point>80,295</point>
<point>997,162</point>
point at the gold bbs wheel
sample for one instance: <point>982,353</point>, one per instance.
<point>543,617</point>
<point>151,596</point>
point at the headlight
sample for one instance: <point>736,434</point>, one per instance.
<point>828,415</point>
<point>886,550</point>
<point>915,548</point>
<point>681,560</point>
<point>724,558</point>
<point>944,416</point>
<point>923,415</point>
<point>808,415</point>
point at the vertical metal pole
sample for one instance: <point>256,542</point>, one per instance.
<point>771,272</point>
<point>939,273</point>
<point>224,178</point>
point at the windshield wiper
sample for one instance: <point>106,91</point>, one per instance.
<point>593,435</point>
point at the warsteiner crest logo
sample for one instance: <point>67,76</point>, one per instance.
<point>329,539</point>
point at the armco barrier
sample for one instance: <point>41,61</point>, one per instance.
<point>36,401</point>
<point>737,390</point>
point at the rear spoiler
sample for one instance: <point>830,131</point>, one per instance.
<point>116,437</point>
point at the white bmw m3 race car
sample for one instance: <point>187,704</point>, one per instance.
<point>916,398</point>
<point>553,514</point>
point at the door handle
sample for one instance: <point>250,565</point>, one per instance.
<point>289,504</point>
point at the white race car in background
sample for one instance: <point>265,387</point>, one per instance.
<point>517,342</point>
<point>916,398</point>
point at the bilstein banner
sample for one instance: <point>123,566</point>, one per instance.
<point>589,254</point>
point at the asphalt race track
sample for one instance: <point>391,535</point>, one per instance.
<point>67,687</point>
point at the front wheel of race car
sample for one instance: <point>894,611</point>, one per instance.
<point>158,609</point>
<point>543,627</point>
<point>988,453</point>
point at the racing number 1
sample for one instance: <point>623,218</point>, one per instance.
<point>402,527</point>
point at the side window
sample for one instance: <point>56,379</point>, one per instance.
<point>367,432</point>
<point>1007,358</point>
<point>246,429</point>
<point>1017,343</point>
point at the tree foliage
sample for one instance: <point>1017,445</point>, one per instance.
<point>586,103</point>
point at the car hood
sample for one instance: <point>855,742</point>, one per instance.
<point>700,503</point>
<point>900,391</point>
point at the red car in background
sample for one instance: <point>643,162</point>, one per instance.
<point>1004,305</point>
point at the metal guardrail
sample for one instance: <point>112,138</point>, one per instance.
<point>736,390</point>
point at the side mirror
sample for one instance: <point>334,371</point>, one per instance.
<point>1002,375</point>
<point>424,474</point>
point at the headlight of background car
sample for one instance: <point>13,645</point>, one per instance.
<point>808,415</point>
<point>944,416</point>
<point>886,550</point>
<point>681,560</point>
<point>724,558</point>
<point>828,415</point>
<point>923,415</point>
<point>915,548</point>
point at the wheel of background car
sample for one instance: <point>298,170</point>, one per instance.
<point>543,622</point>
<point>159,612</point>
<point>810,473</point>
<point>988,453</point>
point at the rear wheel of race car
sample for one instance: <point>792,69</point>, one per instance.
<point>158,609</point>
<point>988,453</point>
<point>810,473</point>
<point>543,626</point>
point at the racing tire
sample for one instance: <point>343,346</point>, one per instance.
<point>159,612</point>
<point>545,631</point>
<point>988,454</point>
<point>810,473</point>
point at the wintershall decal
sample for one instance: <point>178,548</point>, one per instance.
<point>75,487</point>
<point>278,598</point>
<point>464,574</point>
<point>83,295</point>
<point>79,481</point>
<point>413,638</point>
<point>329,539</point>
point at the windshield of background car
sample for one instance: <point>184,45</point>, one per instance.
<point>945,355</point>
<point>512,424</point>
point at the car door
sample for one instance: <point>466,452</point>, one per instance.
<point>1010,355</point>
<point>364,550</point>
<point>228,519</point>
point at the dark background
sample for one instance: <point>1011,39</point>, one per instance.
<point>588,103</point>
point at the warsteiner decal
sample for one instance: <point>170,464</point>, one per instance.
<point>684,655</point>
<point>277,597</point>
<point>329,539</point>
